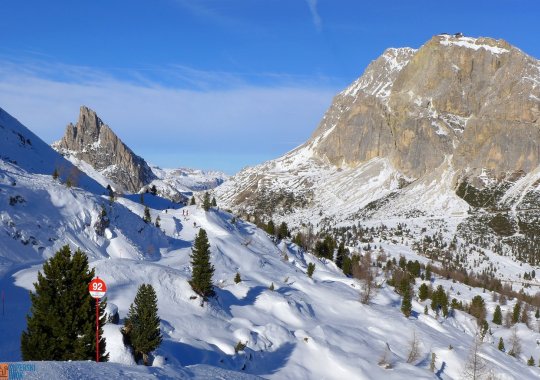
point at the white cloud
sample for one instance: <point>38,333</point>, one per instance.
<point>315,14</point>
<point>227,128</point>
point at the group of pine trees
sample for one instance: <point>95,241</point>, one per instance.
<point>62,321</point>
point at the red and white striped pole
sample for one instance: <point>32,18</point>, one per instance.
<point>97,330</point>
<point>97,289</point>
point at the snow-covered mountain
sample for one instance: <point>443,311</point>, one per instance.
<point>93,142</point>
<point>302,328</point>
<point>95,149</point>
<point>176,184</point>
<point>448,132</point>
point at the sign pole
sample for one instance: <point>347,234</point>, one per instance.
<point>97,330</point>
<point>97,289</point>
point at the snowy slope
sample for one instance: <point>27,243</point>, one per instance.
<point>23,148</point>
<point>305,328</point>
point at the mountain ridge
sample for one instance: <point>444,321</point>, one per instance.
<point>93,141</point>
<point>411,111</point>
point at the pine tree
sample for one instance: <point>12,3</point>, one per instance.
<point>55,174</point>
<point>310,269</point>
<point>141,327</point>
<point>439,301</point>
<point>340,255</point>
<point>147,218</point>
<point>530,362</point>
<point>423,292</point>
<point>478,308</point>
<point>270,228</point>
<point>406,303</point>
<point>158,221</point>
<point>283,231</point>
<point>192,203</point>
<point>203,270</point>
<point>428,273</point>
<point>537,313</point>
<point>153,190</point>
<point>111,194</point>
<point>516,312</point>
<point>271,287</point>
<point>501,344</point>
<point>206,202</point>
<point>347,266</point>
<point>61,325</point>
<point>497,315</point>
<point>237,278</point>
<point>214,203</point>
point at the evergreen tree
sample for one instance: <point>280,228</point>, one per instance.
<point>203,270</point>
<point>141,327</point>
<point>478,308</point>
<point>153,190</point>
<point>347,266</point>
<point>406,303</point>
<point>237,278</point>
<point>310,269</point>
<point>530,362</point>
<point>340,255</point>
<point>158,221</point>
<point>271,287</point>
<point>214,203</point>
<point>537,313</point>
<point>206,202</point>
<point>283,231</point>
<point>55,174</point>
<point>428,273</point>
<point>423,292</point>
<point>497,315</point>
<point>111,193</point>
<point>270,228</point>
<point>516,312</point>
<point>439,301</point>
<point>299,240</point>
<point>192,203</point>
<point>501,344</point>
<point>62,322</point>
<point>147,218</point>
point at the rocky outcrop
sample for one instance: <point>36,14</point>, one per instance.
<point>412,136</point>
<point>92,141</point>
<point>475,99</point>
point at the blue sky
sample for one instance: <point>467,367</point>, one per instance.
<point>216,84</point>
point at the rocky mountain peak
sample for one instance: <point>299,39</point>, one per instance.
<point>427,131</point>
<point>455,95</point>
<point>92,141</point>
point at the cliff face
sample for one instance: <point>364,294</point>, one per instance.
<point>422,132</point>
<point>92,141</point>
<point>475,99</point>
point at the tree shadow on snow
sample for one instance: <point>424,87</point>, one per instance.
<point>226,300</point>
<point>441,371</point>
<point>248,361</point>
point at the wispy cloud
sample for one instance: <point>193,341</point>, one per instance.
<point>226,126</point>
<point>312,4</point>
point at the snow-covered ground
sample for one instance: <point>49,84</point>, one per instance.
<point>304,328</point>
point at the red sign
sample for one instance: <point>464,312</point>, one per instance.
<point>97,288</point>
